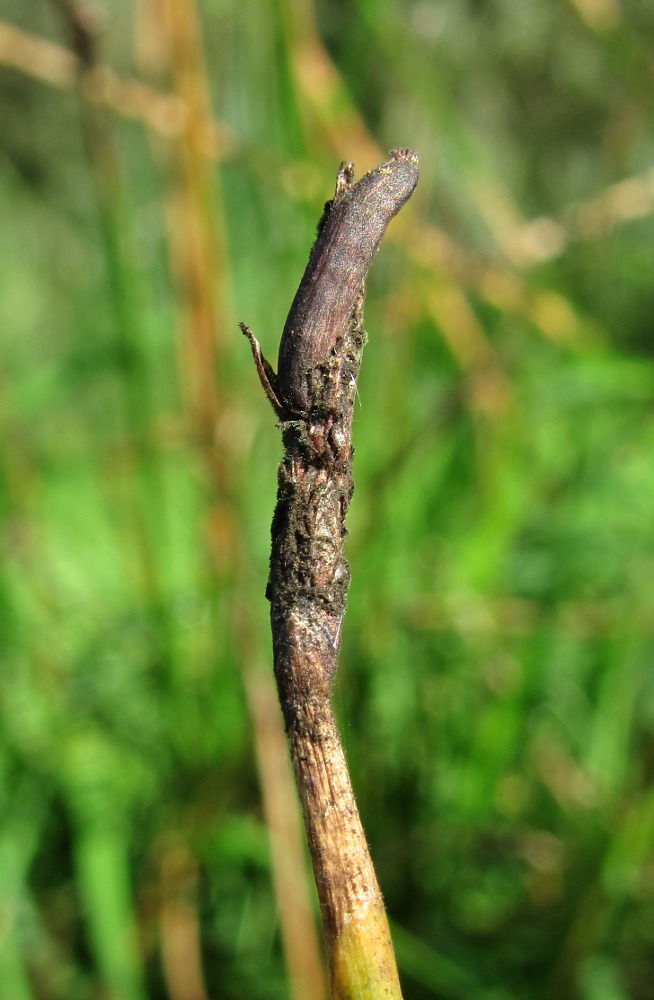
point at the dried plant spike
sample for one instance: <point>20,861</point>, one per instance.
<point>349,236</point>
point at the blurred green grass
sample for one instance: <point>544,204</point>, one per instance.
<point>495,689</point>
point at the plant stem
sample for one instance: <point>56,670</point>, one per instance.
<point>309,575</point>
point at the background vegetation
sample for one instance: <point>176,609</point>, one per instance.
<point>162,170</point>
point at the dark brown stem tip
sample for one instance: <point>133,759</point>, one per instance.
<point>349,235</point>
<point>404,164</point>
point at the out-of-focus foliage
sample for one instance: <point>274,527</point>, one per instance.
<point>496,690</point>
